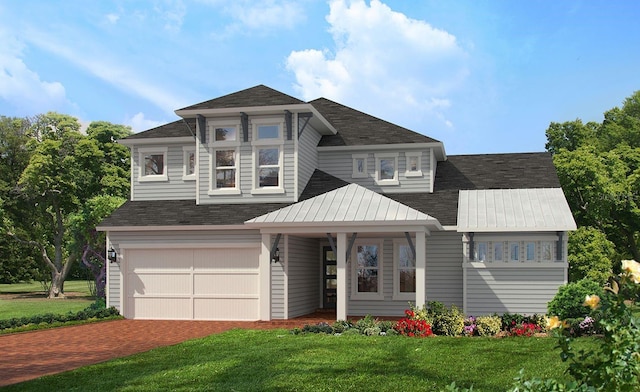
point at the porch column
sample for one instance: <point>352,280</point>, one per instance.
<point>341,277</point>
<point>421,262</point>
<point>265,278</point>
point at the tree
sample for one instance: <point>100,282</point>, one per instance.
<point>590,255</point>
<point>116,164</point>
<point>57,179</point>
<point>599,169</point>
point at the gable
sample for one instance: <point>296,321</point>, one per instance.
<point>180,128</point>
<point>260,95</point>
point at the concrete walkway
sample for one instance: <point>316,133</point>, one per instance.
<point>29,355</point>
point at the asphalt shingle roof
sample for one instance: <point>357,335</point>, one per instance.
<point>178,128</point>
<point>260,95</point>
<point>356,128</point>
<point>488,171</point>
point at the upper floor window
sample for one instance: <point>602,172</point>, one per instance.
<point>387,169</point>
<point>359,166</point>
<point>514,251</point>
<point>414,164</point>
<point>225,134</point>
<point>188,163</point>
<point>530,251</point>
<point>546,251</point>
<point>224,172</point>
<point>153,164</point>
<point>480,251</point>
<point>268,146</point>
<point>367,270</point>
<point>498,251</point>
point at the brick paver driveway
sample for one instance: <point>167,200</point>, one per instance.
<point>24,356</point>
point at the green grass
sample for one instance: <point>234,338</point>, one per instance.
<point>242,360</point>
<point>36,303</point>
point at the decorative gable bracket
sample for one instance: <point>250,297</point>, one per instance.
<point>244,121</point>
<point>288,119</point>
<point>202,126</point>
<point>332,243</point>
<point>306,117</point>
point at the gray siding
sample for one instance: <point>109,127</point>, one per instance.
<point>113,270</point>
<point>340,164</point>
<point>246,173</point>
<point>303,276</point>
<point>518,289</point>
<point>173,189</point>
<point>444,268</point>
<point>307,156</point>
<point>277,291</point>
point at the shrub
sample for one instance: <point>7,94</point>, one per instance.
<point>488,325</point>
<point>413,328</point>
<point>450,322</point>
<point>341,325</point>
<point>50,318</point>
<point>568,301</point>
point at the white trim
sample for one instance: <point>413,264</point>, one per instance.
<point>142,164</point>
<point>354,159</point>
<point>188,245</point>
<point>296,145</point>
<point>211,133</point>
<point>156,140</point>
<point>418,171</point>
<point>132,172</point>
<point>552,264</point>
<point>186,151</point>
<point>342,292</point>
<point>399,146</point>
<point>213,189</point>
<point>397,295</point>
<point>321,227</point>
<point>389,181</point>
<point>255,188</point>
<point>355,294</point>
<point>285,277</point>
<point>433,164</point>
<point>171,228</point>
<point>264,265</point>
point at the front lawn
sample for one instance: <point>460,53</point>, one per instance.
<point>243,360</point>
<point>29,299</point>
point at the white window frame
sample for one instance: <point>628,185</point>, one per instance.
<point>355,294</point>
<point>390,181</point>
<point>213,189</point>
<point>397,294</point>
<point>477,254</point>
<point>511,245</point>
<point>142,152</point>
<point>494,250</point>
<point>544,244</point>
<point>356,173</point>
<point>527,246</point>
<point>186,152</point>
<point>413,173</point>
<point>211,129</point>
<point>259,144</point>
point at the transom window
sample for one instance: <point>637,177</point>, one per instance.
<point>367,270</point>
<point>225,134</point>
<point>268,132</point>
<point>387,169</point>
<point>153,164</point>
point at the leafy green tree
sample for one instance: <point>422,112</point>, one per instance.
<point>116,163</point>
<point>590,255</point>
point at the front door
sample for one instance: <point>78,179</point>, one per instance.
<point>329,278</point>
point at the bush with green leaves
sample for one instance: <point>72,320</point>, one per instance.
<point>488,325</point>
<point>367,325</point>
<point>93,311</point>
<point>568,301</point>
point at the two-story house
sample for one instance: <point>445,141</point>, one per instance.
<point>258,206</point>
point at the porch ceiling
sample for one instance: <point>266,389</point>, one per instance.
<point>351,206</point>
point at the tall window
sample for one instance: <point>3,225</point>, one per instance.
<point>153,164</point>
<point>268,145</point>
<point>481,251</point>
<point>530,250</point>
<point>498,251</point>
<point>367,282</point>
<point>404,271</point>
<point>189,163</point>
<point>546,251</point>
<point>223,159</point>
<point>514,251</point>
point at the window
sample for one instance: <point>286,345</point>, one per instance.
<point>546,251</point>
<point>498,251</point>
<point>153,164</point>
<point>387,169</point>
<point>514,251</point>
<point>530,249</point>
<point>359,166</point>
<point>413,163</point>
<point>481,251</point>
<point>404,271</point>
<point>224,172</point>
<point>225,134</point>
<point>188,163</point>
<point>367,271</point>
<point>268,147</point>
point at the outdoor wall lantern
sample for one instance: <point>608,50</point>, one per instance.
<point>112,255</point>
<point>276,256</point>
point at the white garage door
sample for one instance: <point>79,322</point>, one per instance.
<point>192,284</point>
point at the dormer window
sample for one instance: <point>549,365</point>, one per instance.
<point>268,132</point>
<point>359,166</point>
<point>223,158</point>
<point>414,164</point>
<point>386,169</point>
<point>153,164</point>
<point>225,134</point>
<point>188,163</point>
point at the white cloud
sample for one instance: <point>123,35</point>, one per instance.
<point>139,123</point>
<point>112,18</point>
<point>23,88</point>
<point>259,16</point>
<point>384,63</point>
<point>172,12</point>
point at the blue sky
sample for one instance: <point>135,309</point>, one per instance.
<point>481,76</point>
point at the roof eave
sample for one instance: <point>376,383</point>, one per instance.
<point>157,140</point>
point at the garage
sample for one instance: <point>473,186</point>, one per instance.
<point>192,284</point>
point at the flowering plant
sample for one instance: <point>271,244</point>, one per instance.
<point>410,326</point>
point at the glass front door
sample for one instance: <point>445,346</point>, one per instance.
<point>329,278</point>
